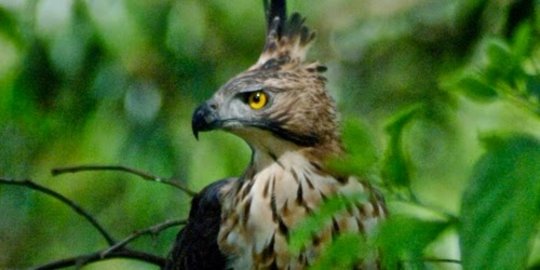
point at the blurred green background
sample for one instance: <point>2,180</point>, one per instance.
<point>115,82</point>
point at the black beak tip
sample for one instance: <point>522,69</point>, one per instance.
<point>202,120</point>
<point>196,124</point>
<point>195,133</point>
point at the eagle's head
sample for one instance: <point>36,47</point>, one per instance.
<point>280,103</point>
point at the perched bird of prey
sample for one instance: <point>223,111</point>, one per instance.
<point>281,108</point>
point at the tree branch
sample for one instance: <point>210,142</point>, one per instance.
<point>142,174</point>
<point>32,185</point>
<point>153,230</point>
<point>116,249</point>
<point>119,250</point>
<point>98,256</point>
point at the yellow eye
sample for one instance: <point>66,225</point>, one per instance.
<point>257,100</point>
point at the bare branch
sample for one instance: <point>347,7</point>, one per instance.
<point>155,229</point>
<point>142,174</point>
<point>97,256</point>
<point>32,185</point>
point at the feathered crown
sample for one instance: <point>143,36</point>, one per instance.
<point>287,39</point>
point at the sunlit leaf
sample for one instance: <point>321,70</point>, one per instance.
<point>500,208</point>
<point>403,239</point>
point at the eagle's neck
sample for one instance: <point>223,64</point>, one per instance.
<point>268,149</point>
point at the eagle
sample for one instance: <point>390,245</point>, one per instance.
<point>281,108</point>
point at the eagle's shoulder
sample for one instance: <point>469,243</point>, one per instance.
<point>196,244</point>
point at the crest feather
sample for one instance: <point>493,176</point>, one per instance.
<point>287,39</point>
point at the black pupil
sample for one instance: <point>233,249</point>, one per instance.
<point>256,97</point>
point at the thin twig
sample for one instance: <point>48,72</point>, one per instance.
<point>32,185</point>
<point>97,256</point>
<point>437,260</point>
<point>155,229</point>
<point>433,260</point>
<point>142,174</point>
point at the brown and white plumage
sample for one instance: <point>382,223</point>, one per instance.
<point>292,135</point>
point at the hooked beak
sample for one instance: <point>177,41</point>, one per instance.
<point>205,118</point>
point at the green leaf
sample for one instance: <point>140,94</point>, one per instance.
<point>502,65</point>
<point>342,253</point>
<point>522,41</point>
<point>303,233</point>
<point>533,85</point>
<point>361,151</point>
<point>8,25</point>
<point>498,52</point>
<point>395,168</point>
<point>402,118</point>
<point>500,208</point>
<point>476,88</point>
<point>403,239</point>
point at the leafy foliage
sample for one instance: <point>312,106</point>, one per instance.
<point>403,239</point>
<point>500,208</point>
<point>504,70</point>
<point>344,252</point>
<point>321,219</point>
